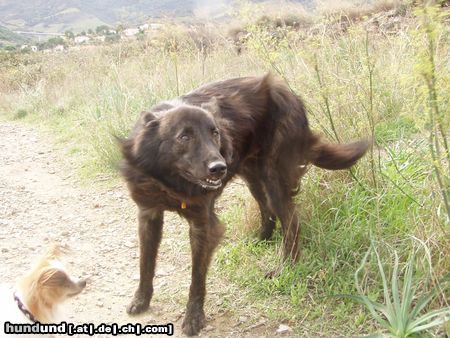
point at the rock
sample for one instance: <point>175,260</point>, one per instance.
<point>258,324</point>
<point>208,328</point>
<point>283,329</point>
<point>130,244</point>
<point>243,319</point>
<point>162,272</point>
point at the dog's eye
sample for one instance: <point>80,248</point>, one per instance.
<point>184,137</point>
<point>215,132</point>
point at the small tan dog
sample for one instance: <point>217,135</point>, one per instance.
<point>39,294</point>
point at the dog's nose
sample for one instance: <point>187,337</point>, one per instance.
<point>217,168</point>
<point>82,283</point>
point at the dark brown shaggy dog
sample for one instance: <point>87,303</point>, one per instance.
<point>182,153</point>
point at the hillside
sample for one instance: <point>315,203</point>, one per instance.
<point>58,15</point>
<point>8,37</point>
<point>78,15</point>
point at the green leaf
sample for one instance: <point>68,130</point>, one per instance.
<point>387,298</point>
<point>445,312</point>
<point>433,323</point>
<point>408,289</point>
<point>363,299</point>
<point>396,296</point>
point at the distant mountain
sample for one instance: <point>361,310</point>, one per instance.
<point>9,38</point>
<point>78,15</point>
<point>57,16</point>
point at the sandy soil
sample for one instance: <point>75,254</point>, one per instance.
<point>41,201</point>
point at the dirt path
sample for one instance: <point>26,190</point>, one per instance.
<point>41,202</point>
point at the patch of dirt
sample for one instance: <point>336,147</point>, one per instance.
<point>42,202</point>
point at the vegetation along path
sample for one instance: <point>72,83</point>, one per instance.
<point>42,202</point>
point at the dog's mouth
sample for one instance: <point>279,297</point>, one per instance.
<point>208,183</point>
<point>74,293</point>
<point>78,287</point>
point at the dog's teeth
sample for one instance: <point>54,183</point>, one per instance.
<point>211,184</point>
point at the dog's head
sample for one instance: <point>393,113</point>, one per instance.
<point>55,285</point>
<point>49,284</point>
<point>185,141</point>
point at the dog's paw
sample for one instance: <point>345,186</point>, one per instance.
<point>138,305</point>
<point>193,323</point>
<point>265,234</point>
<point>266,230</point>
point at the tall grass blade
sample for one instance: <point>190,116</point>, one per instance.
<point>387,296</point>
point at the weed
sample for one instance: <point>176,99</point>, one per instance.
<point>401,311</point>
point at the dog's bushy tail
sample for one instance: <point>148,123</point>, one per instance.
<point>337,156</point>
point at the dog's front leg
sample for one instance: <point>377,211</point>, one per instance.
<point>150,231</point>
<point>204,239</point>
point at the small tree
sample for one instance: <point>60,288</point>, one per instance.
<point>10,48</point>
<point>102,30</point>
<point>111,38</point>
<point>120,28</point>
<point>53,42</point>
<point>69,35</point>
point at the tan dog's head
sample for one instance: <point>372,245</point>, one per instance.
<point>48,284</point>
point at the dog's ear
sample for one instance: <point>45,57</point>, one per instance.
<point>226,144</point>
<point>56,250</point>
<point>212,105</point>
<point>226,149</point>
<point>126,147</point>
<point>149,120</point>
<point>52,277</point>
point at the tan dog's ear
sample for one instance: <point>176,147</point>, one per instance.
<point>52,277</point>
<point>212,105</point>
<point>56,250</point>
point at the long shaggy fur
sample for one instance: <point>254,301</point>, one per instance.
<point>182,153</point>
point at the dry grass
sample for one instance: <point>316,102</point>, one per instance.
<point>364,81</point>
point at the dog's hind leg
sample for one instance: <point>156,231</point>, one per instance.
<point>268,218</point>
<point>204,237</point>
<point>150,232</point>
<point>291,230</point>
<point>251,172</point>
<point>281,191</point>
